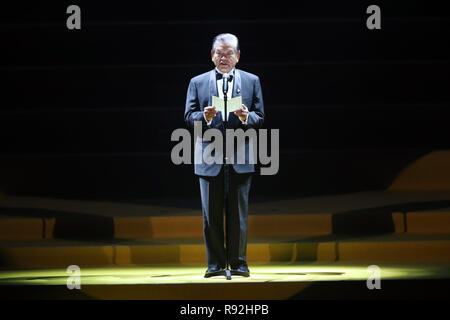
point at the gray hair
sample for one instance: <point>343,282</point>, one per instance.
<point>226,38</point>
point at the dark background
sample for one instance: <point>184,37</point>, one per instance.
<point>89,113</point>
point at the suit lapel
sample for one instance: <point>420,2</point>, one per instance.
<point>236,84</point>
<point>213,92</point>
<point>232,118</point>
<point>212,86</point>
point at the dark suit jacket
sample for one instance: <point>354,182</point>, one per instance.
<point>199,95</point>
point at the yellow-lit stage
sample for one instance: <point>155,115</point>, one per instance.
<point>186,281</point>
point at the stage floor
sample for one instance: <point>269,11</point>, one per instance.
<point>188,273</point>
<point>186,281</point>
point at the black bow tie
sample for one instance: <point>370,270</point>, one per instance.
<point>220,76</point>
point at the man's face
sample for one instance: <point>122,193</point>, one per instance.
<point>224,57</point>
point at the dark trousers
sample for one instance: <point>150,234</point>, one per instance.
<point>227,191</point>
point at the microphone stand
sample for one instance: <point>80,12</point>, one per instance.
<point>226,173</point>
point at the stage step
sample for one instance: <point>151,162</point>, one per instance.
<point>390,247</point>
<point>190,225</point>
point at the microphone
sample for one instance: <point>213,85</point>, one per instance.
<point>225,83</point>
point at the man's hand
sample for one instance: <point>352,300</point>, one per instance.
<point>209,112</point>
<point>243,113</point>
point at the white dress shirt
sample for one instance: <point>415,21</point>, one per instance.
<point>229,94</point>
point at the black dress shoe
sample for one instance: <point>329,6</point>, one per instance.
<point>212,272</point>
<point>241,271</point>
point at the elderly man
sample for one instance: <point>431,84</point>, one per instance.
<point>223,185</point>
